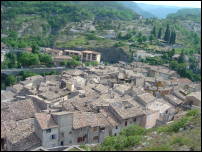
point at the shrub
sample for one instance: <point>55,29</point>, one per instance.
<point>180,141</point>
<point>159,148</point>
<point>193,112</point>
<point>175,126</point>
<point>116,143</point>
<point>10,80</point>
<point>133,130</point>
<point>26,74</point>
<point>133,140</point>
<point>92,63</point>
<point>72,63</point>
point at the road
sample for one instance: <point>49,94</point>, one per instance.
<point>35,70</point>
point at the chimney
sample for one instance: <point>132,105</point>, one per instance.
<point>48,109</point>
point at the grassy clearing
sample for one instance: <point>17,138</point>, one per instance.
<point>78,41</point>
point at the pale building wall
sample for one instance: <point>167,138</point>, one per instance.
<point>65,123</point>
<point>98,58</point>
<point>151,119</point>
<point>38,130</point>
<point>193,100</point>
<point>104,134</point>
<point>139,82</point>
<point>80,133</point>
<point>47,141</point>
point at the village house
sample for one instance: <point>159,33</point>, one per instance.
<point>18,135</point>
<point>145,99</point>
<point>91,56</point>
<point>165,73</point>
<point>166,110</point>
<point>7,96</point>
<point>194,99</point>
<point>85,105</point>
<point>53,52</point>
<point>126,114</point>
<point>61,59</point>
<point>72,53</point>
<point>67,128</point>
<point>175,101</point>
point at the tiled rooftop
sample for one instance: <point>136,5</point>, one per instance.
<point>45,120</point>
<point>88,119</point>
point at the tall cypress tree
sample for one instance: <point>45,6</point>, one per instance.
<point>167,34</point>
<point>159,33</point>
<point>172,37</point>
<point>154,31</point>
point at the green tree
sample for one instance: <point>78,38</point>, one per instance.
<point>35,48</point>
<point>172,37</point>
<point>45,59</point>
<point>171,53</point>
<point>139,40</point>
<point>167,34</point>
<point>10,80</point>
<point>159,33</point>
<point>151,38</point>
<point>27,59</point>
<point>173,65</point>
<point>153,32</point>
<point>144,38</point>
<point>181,58</point>
<point>140,34</point>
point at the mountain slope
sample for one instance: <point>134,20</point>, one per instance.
<point>193,14</point>
<point>134,6</point>
<point>158,11</point>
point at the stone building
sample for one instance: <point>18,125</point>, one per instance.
<point>91,56</point>
<point>60,59</point>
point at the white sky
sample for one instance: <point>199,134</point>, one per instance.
<point>193,4</point>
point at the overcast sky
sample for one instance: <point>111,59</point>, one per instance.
<point>195,4</point>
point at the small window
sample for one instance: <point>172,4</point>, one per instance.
<point>79,139</point>
<point>126,123</point>
<point>53,136</point>
<point>48,130</point>
<point>116,127</point>
<point>61,143</point>
<point>70,132</point>
<point>115,134</point>
<point>134,119</point>
<point>95,138</point>
<point>102,129</point>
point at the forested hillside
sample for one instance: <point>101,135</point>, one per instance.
<point>187,14</point>
<point>113,29</point>
<point>42,21</point>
